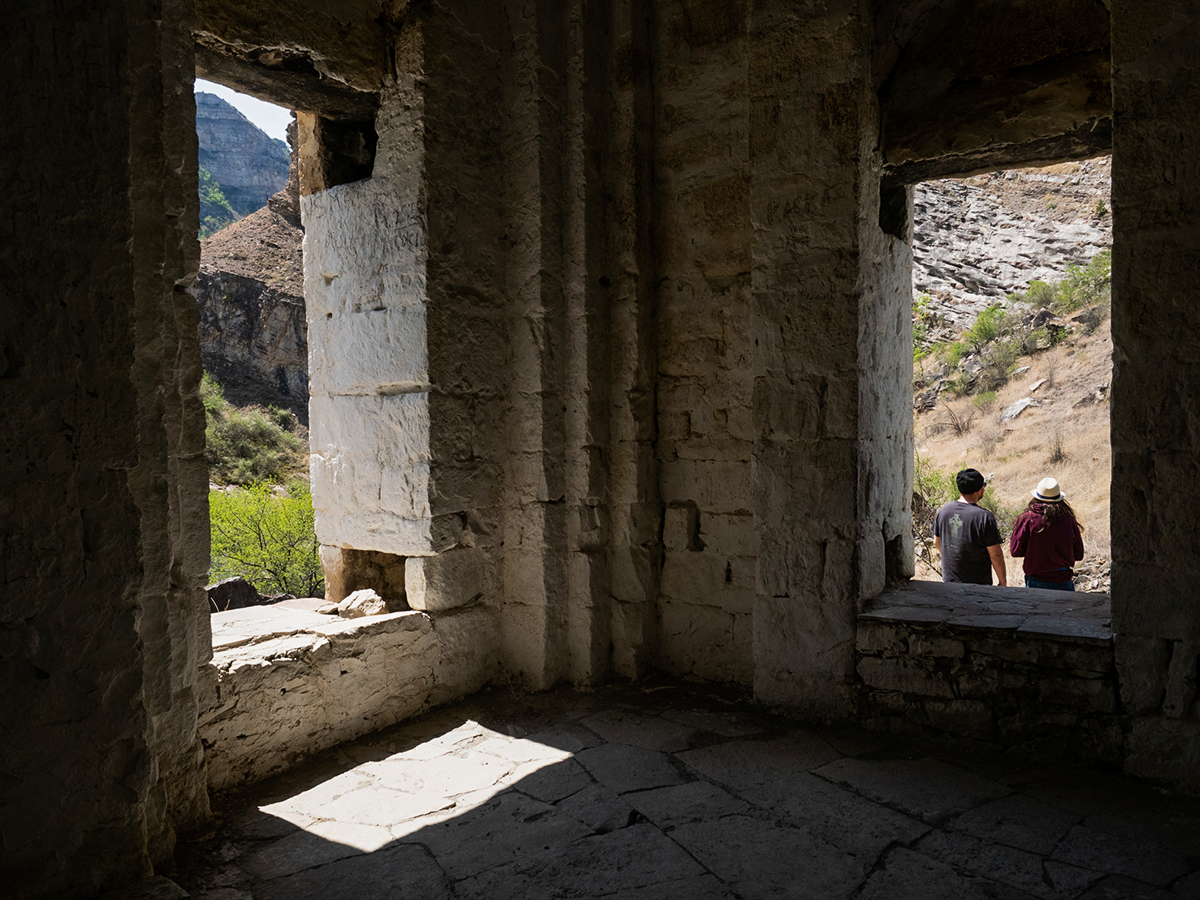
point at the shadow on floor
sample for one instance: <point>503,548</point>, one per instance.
<point>681,792</point>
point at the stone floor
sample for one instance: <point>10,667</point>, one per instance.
<point>677,792</point>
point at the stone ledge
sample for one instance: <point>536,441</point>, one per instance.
<point>286,683</point>
<point>1021,612</point>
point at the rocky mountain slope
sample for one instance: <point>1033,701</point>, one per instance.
<point>978,239</point>
<point>250,290</point>
<point>247,164</point>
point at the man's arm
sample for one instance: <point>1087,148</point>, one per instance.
<point>937,543</point>
<point>996,552</point>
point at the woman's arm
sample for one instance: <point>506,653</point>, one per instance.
<point>1020,536</point>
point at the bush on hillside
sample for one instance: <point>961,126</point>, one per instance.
<point>248,445</point>
<point>215,211</point>
<point>1084,285</point>
<point>266,536</point>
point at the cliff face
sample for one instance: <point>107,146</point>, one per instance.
<point>978,239</point>
<point>249,165</point>
<point>250,290</point>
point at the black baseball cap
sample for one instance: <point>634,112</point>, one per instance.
<point>969,481</point>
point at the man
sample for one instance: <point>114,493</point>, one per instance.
<point>967,536</point>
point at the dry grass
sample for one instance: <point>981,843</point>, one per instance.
<point>1018,454</point>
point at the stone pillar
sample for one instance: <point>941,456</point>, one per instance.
<point>706,349</point>
<point>1156,382</point>
<point>103,515</point>
<point>404,365</point>
<point>627,386</point>
<point>831,297</point>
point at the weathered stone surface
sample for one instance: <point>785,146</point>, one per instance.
<point>232,593</point>
<point>445,581</point>
<point>362,603</point>
<point>405,870</point>
<point>625,768</point>
<point>606,864</point>
<point>927,788</point>
<point>1141,859</point>
<point>768,860</point>
<point>907,873</point>
<point>1142,664</point>
<point>249,165</point>
<point>268,703</point>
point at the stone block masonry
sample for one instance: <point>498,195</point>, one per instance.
<point>286,684</point>
<point>1017,668</point>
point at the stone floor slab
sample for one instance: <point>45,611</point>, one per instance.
<point>908,874</point>
<point>636,858</point>
<point>767,860</point>
<point>599,808</point>
<point>840,817</point>
<point>625,768</point>
<point>927,788</point>
<point>1017,821</point>
<point>1141,859</point>
<point>496,834</point>
<point>697,801</point>
<point>322,843</point>
<point>744,764</point>
<point>623,726</point>
<point>397,873</point>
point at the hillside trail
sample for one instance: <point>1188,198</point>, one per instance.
<point>1063,434</point>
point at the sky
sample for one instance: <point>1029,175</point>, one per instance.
<point>270,118</point>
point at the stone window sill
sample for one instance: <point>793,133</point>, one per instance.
<point>1021,612</point>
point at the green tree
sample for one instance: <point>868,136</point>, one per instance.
<point>266,536</point>
<point>215,211</point>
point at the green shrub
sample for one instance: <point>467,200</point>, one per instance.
<point>931,484</point>
<point>952,353</point>
<point>267,537</point>
<point>986,329</point>
<point>999,360</point>
<point>1006,516</point>
<point>215,211</point>
<point>1040,294</point>
<point>248,445</point>
<point>985,401</point>
<point>1084,285</point>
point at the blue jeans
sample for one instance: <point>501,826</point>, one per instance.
<point>1049,585</point>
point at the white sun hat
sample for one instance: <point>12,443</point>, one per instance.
<point>1048,491</point>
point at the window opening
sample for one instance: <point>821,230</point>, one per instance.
<point>1012,349</point>
<point>254,351</point>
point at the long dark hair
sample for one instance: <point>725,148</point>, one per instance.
<point>1051,511</point>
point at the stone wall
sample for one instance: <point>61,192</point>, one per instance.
<point>706,353</point>
<point>103,518</point>
<point>1155,401</point>
<point>307,682</point>
<point>831,296</point>
<point>1020,668</point>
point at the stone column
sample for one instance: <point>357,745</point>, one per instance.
<point>1156,382</point>
<point>831,297</point>
<point>406,365</point>
<point>103,513</point>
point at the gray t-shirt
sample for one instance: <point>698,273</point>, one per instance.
<point>966,531</point>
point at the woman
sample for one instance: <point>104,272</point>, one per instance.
<point>1049,538</point>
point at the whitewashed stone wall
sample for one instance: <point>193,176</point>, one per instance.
<point>365,290</point>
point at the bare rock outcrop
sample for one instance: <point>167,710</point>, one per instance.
<point>250,290</point>
<point>249,165</point>
<point>978,239</point>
